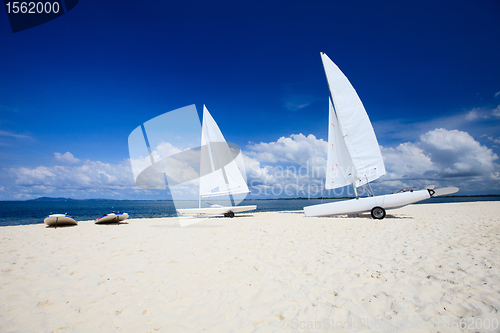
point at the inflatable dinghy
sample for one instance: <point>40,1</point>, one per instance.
<point>56,220</point>
<point>112,218</point>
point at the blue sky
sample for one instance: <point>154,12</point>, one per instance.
<point>73,89</point>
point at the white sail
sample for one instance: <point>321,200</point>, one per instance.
<point>223,178</point>
<point>341,171</point>
<point>352,146</point>
<point>356,130</point>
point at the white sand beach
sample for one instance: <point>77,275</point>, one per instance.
<point>422,269</point>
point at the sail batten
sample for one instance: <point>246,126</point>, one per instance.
<point>362,161</point>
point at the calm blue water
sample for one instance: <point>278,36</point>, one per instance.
<point>32,212</point>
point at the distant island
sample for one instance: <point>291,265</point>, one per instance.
<point>51,199</point>
<point>248,199</point>
<point>65,199</point>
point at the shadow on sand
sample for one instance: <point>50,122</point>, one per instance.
<point>61,226</point>
<point>369,216</point>
<point>202,219</point>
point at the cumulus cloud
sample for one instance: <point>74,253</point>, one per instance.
<point>91,179</point>
<point>291,166</point>
<point>406,161</point>
<point>456,153</point>
<point>445,158</point>
<point>154,178</point>
<point>89,175</point>
<point>297,148</point>
<point>67,157</point>
<point>288,180</point>
<point>441,157</point>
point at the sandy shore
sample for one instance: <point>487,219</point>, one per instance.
<point>263,272</point>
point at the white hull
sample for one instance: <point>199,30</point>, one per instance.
<point>353,150</point>
<point>59,220</point>
<point>361,205</point>
<point>113,217</point>
<point>122,216</point>
<point>214,210</point>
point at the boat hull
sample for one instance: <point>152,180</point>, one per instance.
<point>112,218</point>
<point>361,205</point>
<point>122,216</point>
<point>214,210</point>
<point>59,220</point>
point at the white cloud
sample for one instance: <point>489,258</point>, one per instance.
<point>440,157</point>
<point>89,175</point>
<point>456,153</point>
<point>288,167</point>
<point>91,179</point>
<point>497,94</point>
<point>297,149</point>
<point>294,106</point>
<point>14,135</point>
<point>67,157</point>
<point>482,113</point>
<point>443,157</point>
<point>283,180</point>
<point>476,122</point>
<point>406,161</point>
<point>491,138</point>
<point>296,102</point>
<point>496,112</point>
<point>473,115</point>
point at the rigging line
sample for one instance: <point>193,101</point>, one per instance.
<point>205,200</point>
<point>364,185</point>
<point>372,192</point>
<point>366,188</point>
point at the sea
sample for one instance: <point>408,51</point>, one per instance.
<point>33,212</point>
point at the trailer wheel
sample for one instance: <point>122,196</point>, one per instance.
<point>378,213</point>
<point>229,214</point>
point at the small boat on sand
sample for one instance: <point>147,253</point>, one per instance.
<point>114,217</point>
<point>56,220</point>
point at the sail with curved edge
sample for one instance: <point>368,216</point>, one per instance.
<point>222,178</point>
<point>340,170</point>
<point>356,130</point>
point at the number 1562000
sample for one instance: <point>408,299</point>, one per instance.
<point>32,7</point>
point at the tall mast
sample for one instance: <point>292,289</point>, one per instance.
<point>207,139</point>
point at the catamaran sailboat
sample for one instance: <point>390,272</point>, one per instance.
<point>218,178</point>
<point>354,156</point>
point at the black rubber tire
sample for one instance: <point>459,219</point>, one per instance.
<point>229,214</point>
<point>378,213</point>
